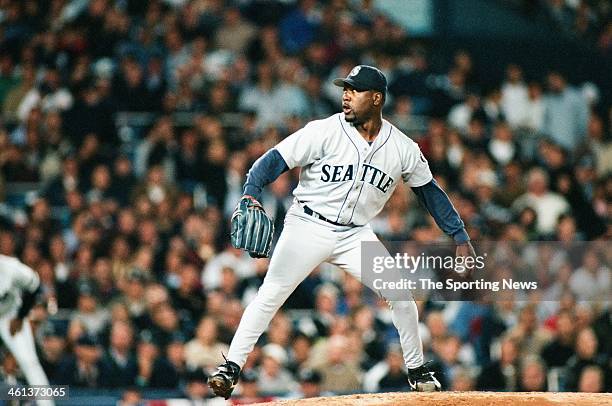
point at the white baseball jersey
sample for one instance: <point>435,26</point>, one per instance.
<point>343,177</point>
<point>15,277</point>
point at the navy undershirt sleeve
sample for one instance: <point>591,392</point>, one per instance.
<point>264,171</point>
<point>28,299</point>
<point>441,209</point>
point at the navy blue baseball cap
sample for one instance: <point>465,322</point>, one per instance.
<point>364,77</point>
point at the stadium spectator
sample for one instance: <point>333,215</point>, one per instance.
<point>187,297</point>
<point>195,389</point>
<point>235,33</point>
<point>53,348</point>
<point>587,354</point>
<point>25,84</point>
<point>492,106</point>
<point>528,335</point>
<point>548,206</point>
<point>339,374</point>
<point>170,368</point>
<point>81,369</point>
<point>598,145</point>
<point>118,366</point>
<point>230,258</point>
<point>310,385</point>
<point>267,97</point>
<point>130,397</point>
<point>204,351</point>
<point>501,375</point>
<point>249,391</point>
<point>366,326</point>
<point>280,331</point>
<point>147,352</point>
<point>326,301</point>
<point>448,357</point>
<point>299,352</point>
<point>49,96</point>
<point>316,104</point>
<point>515,97</point>
<point>93,317</point>
<point>354,296</point>
<point>388,375</point>
<point>461,114</point>
<point>532,375</point>
<point>502,146</point>
<point>534,120</point>
<point>133,288</point>
<point>272,376</point>
<point>7,80</point>
<point>165,324</point>
<point>557,352</point>
<point>298,27</point>
<point>592,280</point>
<point>591,380</point>
<point>566,113</point>
<point>123,180</point>
<point>463,381</point>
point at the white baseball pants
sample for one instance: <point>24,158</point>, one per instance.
<point>304,244</point>
<point>21,345</point>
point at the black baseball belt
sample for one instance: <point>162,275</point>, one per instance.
<point>316,215</point>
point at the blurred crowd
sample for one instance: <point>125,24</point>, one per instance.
<point>128,224</point>
<point>587,21</point>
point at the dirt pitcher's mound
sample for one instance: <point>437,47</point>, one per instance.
<point>459,399</point>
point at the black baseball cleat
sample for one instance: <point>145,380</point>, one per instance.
<point>223,381</point>
<point>421,379</point>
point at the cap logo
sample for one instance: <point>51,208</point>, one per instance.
<point>355,71</point>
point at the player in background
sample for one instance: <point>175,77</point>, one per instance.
<point>350,164</point>
<point>19,286</point>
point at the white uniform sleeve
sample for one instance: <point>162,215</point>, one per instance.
<point>24,277</point>
<point>301,148</point>
<point>28,279</point>
<point>415,168</point>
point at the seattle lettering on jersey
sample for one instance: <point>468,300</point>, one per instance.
<point>345,178</point>
<point>371,175</point>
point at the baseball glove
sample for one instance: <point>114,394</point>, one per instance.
<point>252,228</point>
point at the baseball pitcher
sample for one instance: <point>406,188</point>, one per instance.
<point>350,165</point>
